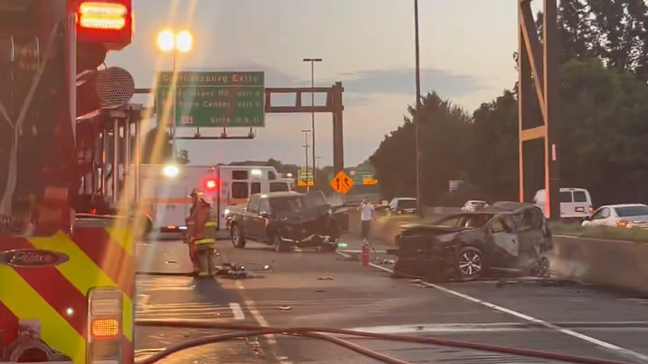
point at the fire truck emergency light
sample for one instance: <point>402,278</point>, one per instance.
<point>210,184</point>
<point>102,15</point>
<point>109,22</point>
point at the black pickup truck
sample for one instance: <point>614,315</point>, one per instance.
<point>286,220</point>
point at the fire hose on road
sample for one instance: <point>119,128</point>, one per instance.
<point>243,331</point>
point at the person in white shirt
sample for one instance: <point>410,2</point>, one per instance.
<point>367,215</point>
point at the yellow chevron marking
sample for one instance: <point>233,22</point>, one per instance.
<point>27,304</point>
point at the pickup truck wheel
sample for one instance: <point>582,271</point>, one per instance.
<point>279,245</point>
<point>237,238</point>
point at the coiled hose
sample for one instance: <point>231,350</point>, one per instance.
<point>322,334</point>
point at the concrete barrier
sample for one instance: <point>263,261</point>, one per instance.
<point>608,263</point>
<point>614,264</point>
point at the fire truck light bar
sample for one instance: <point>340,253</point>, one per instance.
<point>99,15</point>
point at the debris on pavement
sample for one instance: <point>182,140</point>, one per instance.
<point>324,279</point>
<point>235,271</point>
<point>351,258</point>
<point>418,283</point>
<point>320,290</point>
<point>387,262</point>
<point>284,308</point>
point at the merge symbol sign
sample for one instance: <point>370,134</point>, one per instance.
<point>342,183</point>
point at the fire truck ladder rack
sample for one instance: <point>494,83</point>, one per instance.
<point>118,134</point>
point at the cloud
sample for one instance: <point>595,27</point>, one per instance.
<point>401,81</point>
<point>361,86</point>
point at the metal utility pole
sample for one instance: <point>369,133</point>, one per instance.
<point>306,146</point>
<point>312,63</point>
<point>175,107</point>
<point>417,119</point>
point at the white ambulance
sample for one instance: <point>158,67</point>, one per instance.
<point>164,190</point>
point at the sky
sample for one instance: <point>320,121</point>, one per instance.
<point>368,45</point>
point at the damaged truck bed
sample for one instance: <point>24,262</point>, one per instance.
<point>507,238</point>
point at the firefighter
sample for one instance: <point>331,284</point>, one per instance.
<point>198,218</point>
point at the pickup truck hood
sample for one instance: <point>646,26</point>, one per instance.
<point>305,216</point>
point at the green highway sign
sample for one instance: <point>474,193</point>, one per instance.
<point>363,178</point>
<point>305,177</point>
<point>211,99</point>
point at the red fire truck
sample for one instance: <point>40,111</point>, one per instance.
<point>66,282</point>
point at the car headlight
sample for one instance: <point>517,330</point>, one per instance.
<point>226,212</point>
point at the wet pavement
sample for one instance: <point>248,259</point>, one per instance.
<point>165,292</point>
<point>306,288</point>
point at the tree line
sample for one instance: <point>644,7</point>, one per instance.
<point>603,120</point>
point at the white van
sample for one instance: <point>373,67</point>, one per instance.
<point>575,203</point>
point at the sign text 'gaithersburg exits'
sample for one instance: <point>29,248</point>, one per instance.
<point>212,99</point>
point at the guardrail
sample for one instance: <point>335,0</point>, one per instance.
<point>614,264</point>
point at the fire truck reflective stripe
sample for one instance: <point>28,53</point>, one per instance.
<point>56,290</point>
<point>109,249</point>
<point>27,304</point>
<point>102,249</point>
<point>9,323</point>
<point>123,236</point>
<point>83,273</point>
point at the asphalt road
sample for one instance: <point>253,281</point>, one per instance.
<point>306,288</point>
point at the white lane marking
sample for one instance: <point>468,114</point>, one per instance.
<point>444,328</point>
<point>638,326</point>
<point>251,307</point>
<point>603,344</point>
<point>237,311</point>
<point>142,303</point>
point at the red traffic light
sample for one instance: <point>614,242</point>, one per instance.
<point>210,184</point>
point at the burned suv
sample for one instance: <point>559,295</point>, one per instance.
<point>508,238</point>
<point>285,220</point>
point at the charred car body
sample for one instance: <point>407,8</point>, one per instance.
<point>285,220</point>
<point>508,238</point>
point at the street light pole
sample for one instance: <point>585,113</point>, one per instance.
<point>176,43</point>
<point>312,63</point>
<point>174,104</point>
<point>417,119</point>
<point>306,131</point>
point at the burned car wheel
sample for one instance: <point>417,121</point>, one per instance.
<point>279,245</point>
<point>469,263</point>
<point>237,238</point>
<point>541,268</point>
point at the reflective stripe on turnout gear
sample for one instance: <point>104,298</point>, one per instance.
<point>56,296</point>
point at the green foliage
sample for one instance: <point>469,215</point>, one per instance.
<point>603,117</point>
